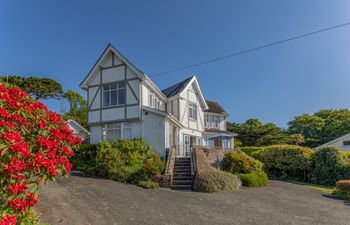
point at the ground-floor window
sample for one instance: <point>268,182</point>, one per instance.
<point>116,131</point>
<point>227,144</point>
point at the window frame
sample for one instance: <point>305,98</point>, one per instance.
<point>116,90</point>
<point>121,127</point>
<point>192,111</point>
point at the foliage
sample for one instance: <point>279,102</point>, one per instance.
<point>36,87</point>
<point>77,108</point>
<point>238,162</point>
<point>322,126</point>
<point>254,179</point>
<point>287,161</point>
<point>124,160</point>
<point>254,133</point>
<point>209,179</point>
<point>249,150</point>
<point>343,189</point>
<point>35,146</point>
<point>148,184</point>
<point>327,165</point>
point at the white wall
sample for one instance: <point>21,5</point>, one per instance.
<point>187,96</point>
<point>145,97</point>
<point>95,134</point>
<point>153,130</point>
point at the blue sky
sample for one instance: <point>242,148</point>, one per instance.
<point>63,39</point>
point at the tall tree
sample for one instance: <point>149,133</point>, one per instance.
<point>77,107</point>
<point>37,87</point>
<point>322,126</point>
<point>255,133</point>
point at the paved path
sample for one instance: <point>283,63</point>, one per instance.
<point>83,201</point>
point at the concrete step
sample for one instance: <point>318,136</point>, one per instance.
<point>175,183</point>
<point>182,179</point>
<point>182,175</point>
<point>182,167</point>
<point>181,187</point>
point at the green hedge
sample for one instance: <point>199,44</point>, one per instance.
<point>148,184</point>
<point>238,162</point>
<point>327,166</point>
<point>250,150</point>
<point>254,179</point>
<point>210,179</point>
<point>287,161</point>
<point>125,160</point>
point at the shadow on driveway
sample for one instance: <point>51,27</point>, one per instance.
<point>86,200</point>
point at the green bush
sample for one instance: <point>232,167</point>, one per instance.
<point>327,166</point>
<point>287,161</point>
<point>210,179</point>
<point>343,189</point>
<point>215,181</point>
<point>238,162</point>
<point>125,160</point>
<point>148,184</point>
<point>254,179</point>
<point>250,150</point>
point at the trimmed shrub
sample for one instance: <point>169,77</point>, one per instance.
<point>343,189</point>
<point>238,162</point>
<point>287,161</point>
<point>209,179</point>
<point>254,179</point>
<point>250,150</point>
<point>148,184</point>
<point>327,166</point>
<point>215,181</point>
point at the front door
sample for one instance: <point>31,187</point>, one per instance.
<point>187,146</point>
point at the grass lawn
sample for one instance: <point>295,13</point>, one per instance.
<point>324,189</point>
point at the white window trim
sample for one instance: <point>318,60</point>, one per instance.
<point>123,127</point>
<point>192,107</point>
<point>110,94</point>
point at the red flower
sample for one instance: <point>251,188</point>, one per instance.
<point>4,113</point>
<point>12,136</point>
<point>21,148</point>
<point>8,220</point>
<point>15,166</point>
<point>17,188</point>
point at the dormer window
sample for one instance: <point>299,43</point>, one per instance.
<point>114,95</point>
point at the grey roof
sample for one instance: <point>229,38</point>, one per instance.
<point>176,88</point>
<point>214,107</point>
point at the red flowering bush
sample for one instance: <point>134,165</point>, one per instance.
<point>35,146</point>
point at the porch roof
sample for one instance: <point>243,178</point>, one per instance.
<point>221,137</point>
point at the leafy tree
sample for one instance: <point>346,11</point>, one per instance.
<point>254,133</point>
<point>77,107</point>
<point>36,87</point>
<point>322,126</point>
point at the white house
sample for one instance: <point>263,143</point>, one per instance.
<point>123,103</point>
<point>342,143</point>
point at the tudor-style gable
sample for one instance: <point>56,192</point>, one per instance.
<point>113,87</point>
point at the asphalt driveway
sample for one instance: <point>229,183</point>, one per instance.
<point>81,200</point>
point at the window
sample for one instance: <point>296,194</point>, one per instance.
<point>198,141</point>
<point>212,121</point>
<point>346,143</point>
<point>114,95</point>
<point>117,131</point>
<point>153,101</point>
<point>216,121</point>
<point>192,111</point>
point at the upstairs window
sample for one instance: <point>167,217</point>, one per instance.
<point>212,121</point>
<point>216,121</point>
<point>114,95</point>
<point>153,101</point>
<point>192,111</point>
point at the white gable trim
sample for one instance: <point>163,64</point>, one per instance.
<point>333,141</point>
<point>109,49</point>
<point>78,125</point>
<point>201,97</point>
